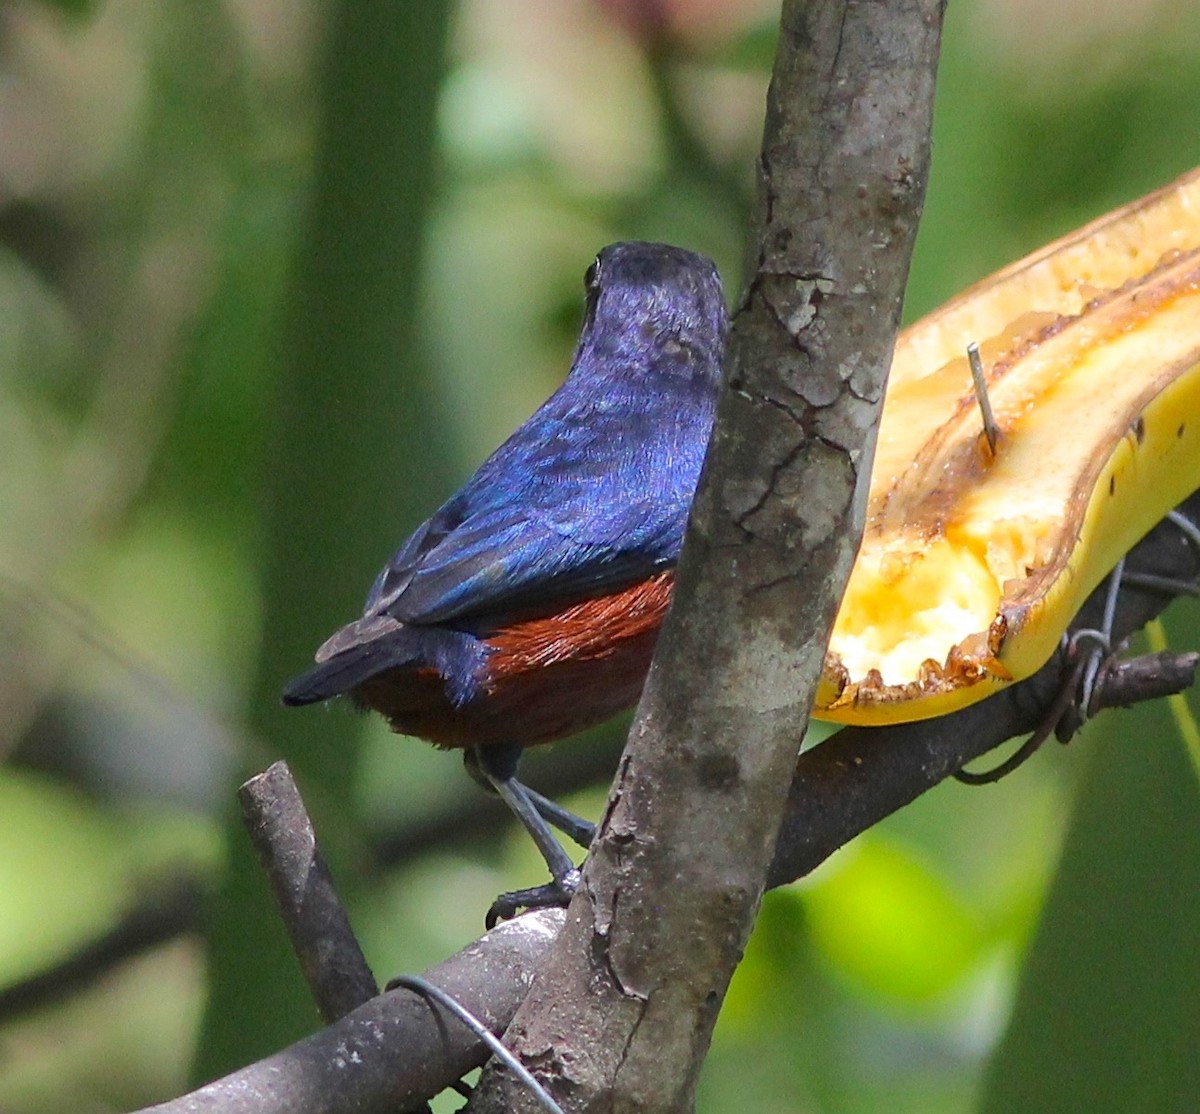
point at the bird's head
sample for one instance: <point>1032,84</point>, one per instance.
<point>653,307</point>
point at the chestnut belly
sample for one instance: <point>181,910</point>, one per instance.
<point>542,679</point>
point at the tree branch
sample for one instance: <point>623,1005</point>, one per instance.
<point>316,921</point>
<point>396,1050</point>
<point>861,774</point>
<point>621,1014</point>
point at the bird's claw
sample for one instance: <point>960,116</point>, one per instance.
<point>557,892</point>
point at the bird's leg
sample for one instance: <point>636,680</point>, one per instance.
<point>498,765</point>
<point>574,827</point>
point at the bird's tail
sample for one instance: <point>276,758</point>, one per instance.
<point>330,678</point>
<point>374,645</point>
<point>355,654</point>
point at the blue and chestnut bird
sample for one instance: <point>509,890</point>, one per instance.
<point>528,606</point>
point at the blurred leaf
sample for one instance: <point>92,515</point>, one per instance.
<point>69,867</point>
<point>1106,1016</point>
<point>890,923</point>
<point>47,910</point>
<point>790,1039</point>
<point>753,50</point>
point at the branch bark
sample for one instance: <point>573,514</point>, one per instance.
<point>621,1014</point>
<point>840,788</point>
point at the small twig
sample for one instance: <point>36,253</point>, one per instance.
<point>1146,677</point>
<point>1118,684</point>
<point>316,921</point>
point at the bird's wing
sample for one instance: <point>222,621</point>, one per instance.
<point>579,504</point>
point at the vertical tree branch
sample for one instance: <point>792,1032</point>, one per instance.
<point>622,1013</point>
<point>316,921</point>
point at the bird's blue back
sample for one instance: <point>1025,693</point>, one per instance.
<point>592,493</point>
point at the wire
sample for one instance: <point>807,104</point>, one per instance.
<point>427,990</point>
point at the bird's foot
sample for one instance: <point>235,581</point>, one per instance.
<point>555,893</point>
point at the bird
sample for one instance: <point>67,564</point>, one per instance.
<point>527,608</point>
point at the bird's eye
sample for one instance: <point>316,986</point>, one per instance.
<point>591,278</point>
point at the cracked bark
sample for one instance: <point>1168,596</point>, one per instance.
<point>621,1014</point>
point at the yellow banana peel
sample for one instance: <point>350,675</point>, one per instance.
<point>973,564</point>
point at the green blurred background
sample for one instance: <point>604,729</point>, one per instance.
<point>274,277</point>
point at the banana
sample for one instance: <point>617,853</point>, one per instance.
<point>973,563</point>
